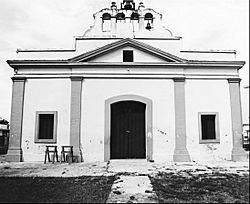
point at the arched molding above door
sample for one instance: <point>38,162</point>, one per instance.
<point>148,122</point>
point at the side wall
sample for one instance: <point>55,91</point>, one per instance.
<point>208,96</point>
<point>45,95</point>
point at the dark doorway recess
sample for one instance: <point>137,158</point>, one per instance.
<point>128,139</point>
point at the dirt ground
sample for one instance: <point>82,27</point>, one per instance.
<point>213,182</point>
<point>55,190</point>
<point>203,188</point>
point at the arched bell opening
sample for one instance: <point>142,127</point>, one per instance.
<point>149,18</point>
<point>120,16</point>
<point>106,16</point>
<point>135,16</point>
<point>106,22</point>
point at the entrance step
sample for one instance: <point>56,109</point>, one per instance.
<point>132,189</point>
<point>131,166</point>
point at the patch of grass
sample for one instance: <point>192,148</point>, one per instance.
<point>205,188</point>
<point>55,190</point>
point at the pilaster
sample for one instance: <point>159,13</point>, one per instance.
<point>180,153</point>
<point>238,153</point>
<point>16,121</point>
<point>75,116</point>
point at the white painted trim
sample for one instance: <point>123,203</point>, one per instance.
<point>217,129</point>
<point>46,141</point>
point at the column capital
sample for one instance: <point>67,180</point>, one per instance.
<point>76,78</point>
<point>179,79</point>
<point>234,80</point>
<point>19,79</point>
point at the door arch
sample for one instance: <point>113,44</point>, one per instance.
<point>148,123</point>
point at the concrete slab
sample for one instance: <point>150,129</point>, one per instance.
<point>132,189</point>
<point>130,166</point>
<point>124,167</point>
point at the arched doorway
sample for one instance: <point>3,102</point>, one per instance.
<point>141,111</point>
<point>128,133</point>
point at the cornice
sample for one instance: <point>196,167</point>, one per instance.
<point>16,64</point>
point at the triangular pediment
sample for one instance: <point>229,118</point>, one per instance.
<point>112,53</point>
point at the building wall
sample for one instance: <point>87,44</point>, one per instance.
<point>96,91</point>
<point>208,96</point>
<point>201,96</point>
<point>45,95</point>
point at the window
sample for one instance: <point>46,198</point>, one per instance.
<point>208,124</point>
<point>128,56</point>
<point>46,126</point>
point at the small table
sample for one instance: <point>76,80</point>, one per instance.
<point>51,149</point>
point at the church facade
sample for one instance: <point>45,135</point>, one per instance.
<point>127,90</point>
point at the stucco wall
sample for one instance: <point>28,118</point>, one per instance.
<point>201,96</point>
<point>94,94</point>
<point>45,95</point>
<point>208,96</point>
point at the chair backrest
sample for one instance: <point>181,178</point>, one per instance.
<point>67,148</point>
<point>51,148</point>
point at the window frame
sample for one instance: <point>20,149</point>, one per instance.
<point>54,139</point>
<point>217,133</point>
<point>123,55</point>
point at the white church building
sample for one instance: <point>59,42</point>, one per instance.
<point>127,90</point>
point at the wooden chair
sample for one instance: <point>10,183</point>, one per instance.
<point>67,154</point>
<point>51,149</point>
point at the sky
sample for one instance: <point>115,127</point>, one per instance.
<point>203,24</point>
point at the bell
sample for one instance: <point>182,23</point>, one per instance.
<point>128,6</point>
<point>113,6</point>
<point>148,27</point>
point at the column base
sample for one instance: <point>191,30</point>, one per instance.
<point>78,158</point>
<point>14,155</point>
<point>239,155</point>
<point>181,155</point>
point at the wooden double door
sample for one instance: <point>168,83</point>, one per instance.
<point>128,139</point>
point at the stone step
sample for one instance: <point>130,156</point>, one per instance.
<point>137,166</point>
